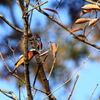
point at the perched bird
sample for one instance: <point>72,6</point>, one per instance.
<point>20,61</point>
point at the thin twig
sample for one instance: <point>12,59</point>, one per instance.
<point>5,63</point>
<point>94,49</point>
<point>73,87</point>
<point>93,92</point>
<point>30,20</point>
<point>15,28</point>
<point>8,92</point>
<point>22,93</point>
<point>37,75</point>
<point>19,86</point>
<point>35,79</point>
<point>70,77</point>
<point>37,6</point>
<point>44,53</point>
<point>93,2</point>
<point>59,2</point>
<point>54,51</point>
<point>51,69</point>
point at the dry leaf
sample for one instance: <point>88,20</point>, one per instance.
<point>93,21</point>
<point>87,11</point>
<point>76,29</point>
<point>53,49</point>
<point>82,37</point>
<point>82,20</point>
<point>50,10</point>
<point>84,12</point>
<point>91,7</point>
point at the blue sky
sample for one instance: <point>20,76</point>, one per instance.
<point>89,73</point>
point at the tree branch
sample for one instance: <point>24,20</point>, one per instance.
<point>93,92</point>
<point>92,2</point>
<point>63,26</point>
<point>26,62</point>
<point>8,92</point>
<point>15,28</point>
<point>73,87</point>
<point>42,75</point>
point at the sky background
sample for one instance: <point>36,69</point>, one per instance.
<point>88,75</point>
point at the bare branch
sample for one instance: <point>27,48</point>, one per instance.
<point>5,63</point>
<point>51,68</point>
<point>73,87</point>
<point>26,61</point>
<point>15,28</point>
<point>10,93</point>
<point>93,92</point>
<point>37,6</point>
<point>92,2</point>
<point>58,4</point>
<point>21,4</point>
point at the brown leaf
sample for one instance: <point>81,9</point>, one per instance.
<point>93,21</point>
<point>53,49</point>
<point>91,7</point>
<point>83,37</point>
<point>84,12</point>
<point>50,10</point>
<point>82,20</point>
<point>76,29</point>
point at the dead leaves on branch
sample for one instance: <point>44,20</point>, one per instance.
<point>84,12</point>
<point>54,11</point>
<point>76,29</point>
<point>91,7</point>
<point>89,22</point>
<point>50,10</point>
<point>82,20</point>
<point>93,21</point>
<point>82,37</point>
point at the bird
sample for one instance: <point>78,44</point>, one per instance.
<point>20,61</point>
